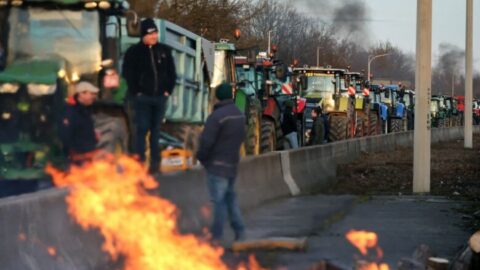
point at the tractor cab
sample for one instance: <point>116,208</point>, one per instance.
<point>46,47</point>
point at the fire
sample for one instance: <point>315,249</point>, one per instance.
<point>362,240</point>
<point>365,241</point>
<point>111,195</point>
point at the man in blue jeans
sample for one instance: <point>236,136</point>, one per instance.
<point>219,153</point>
<point>149,70</point>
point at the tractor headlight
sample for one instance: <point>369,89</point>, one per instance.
<point>41,89</point>
<point>9,88</point>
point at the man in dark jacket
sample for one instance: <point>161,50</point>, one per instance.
<point>77,128</point>
<point>149,70</point>
<point>219,153</point>
<point>317,135</point>
<point>289,125</point>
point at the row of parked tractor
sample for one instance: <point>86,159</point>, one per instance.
<point>353,107</point>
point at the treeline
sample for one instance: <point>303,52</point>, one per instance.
<point>305,38</point>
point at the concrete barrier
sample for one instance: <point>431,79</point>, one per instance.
<point>32,223</point>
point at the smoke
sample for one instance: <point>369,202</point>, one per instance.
<point>348,18</point>
<point>451,59</point>
<point>449,70</point>
<point>351,17</point>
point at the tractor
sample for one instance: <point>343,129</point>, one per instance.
<point>398,114</point>
<point>48,46</point>
<point>381,102</point>
<point>263,88</point>
<point>326,87</point>
<point>438,112</point>
<point>367,117</point>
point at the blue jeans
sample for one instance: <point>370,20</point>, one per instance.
<point>223,197</point>
<point>149,113</point>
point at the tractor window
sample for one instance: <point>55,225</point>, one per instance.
<point>73,36</point>
<point>320,84</point>
<point>434,106</point>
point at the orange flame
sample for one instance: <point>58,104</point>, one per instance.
<point>111,194</point>
<point>364,240</point>
<point>52,251</point>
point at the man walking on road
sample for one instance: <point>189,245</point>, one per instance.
<point>150,73</point>
<point>219,153</point>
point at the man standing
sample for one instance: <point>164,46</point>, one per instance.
<point>150,73</point>
<point>219,153</point>
<point>317,135</point>
<point>77,128</point>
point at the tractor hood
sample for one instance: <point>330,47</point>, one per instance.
<point>32,71</point>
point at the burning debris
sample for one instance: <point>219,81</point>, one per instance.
<point>365,241</point>
<point>111,195</point>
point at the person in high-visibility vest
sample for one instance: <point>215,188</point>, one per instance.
<point>366,92</point>
<point>351,90</point>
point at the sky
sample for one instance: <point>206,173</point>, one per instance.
<point>395,21</point>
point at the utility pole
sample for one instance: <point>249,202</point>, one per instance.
<point>468,133</point>
<point>453,84</point>
<point>318,56</point>
<point>370,60</point>
<point>269,50</point>
<point>423,84</point>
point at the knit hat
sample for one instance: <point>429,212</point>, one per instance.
<point>224,91</point>
<point>148,26</point>
<point>86,87</point>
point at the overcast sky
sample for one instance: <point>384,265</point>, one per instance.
<point>395,21</point>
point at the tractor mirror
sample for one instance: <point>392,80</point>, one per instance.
<point>242,84</point>
<point>133,24</point>
<point>304,82</point>
<point>387,94</point>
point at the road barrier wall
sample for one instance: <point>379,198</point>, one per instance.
<point>31,223</point>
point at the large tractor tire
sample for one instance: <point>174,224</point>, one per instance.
<point>338,128</point>
<point>374,125</point>
<point>396,125</point>
<point>269,136</point>
<point>361,127</point>
<point>113,132</point>
<point>253,140</point>
<point>441,123</point>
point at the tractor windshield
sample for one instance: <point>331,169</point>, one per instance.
<point>321,84</point>
<point>434,106</point>
<point>37,33</point>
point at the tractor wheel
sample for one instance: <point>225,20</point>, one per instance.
<point>113,132</point>
<point>396,125</point>
<point>338,128</point>
<point>269,136</point>
<point>441,123</point>
<point>373,124</point>
<point>361,127</point>
<point>252,143</point>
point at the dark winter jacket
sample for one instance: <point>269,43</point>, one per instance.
<point>77,130</point>
<point>220,142</point>
<point>149,70</point>
<point>289,123</point>
<point>318,131</point>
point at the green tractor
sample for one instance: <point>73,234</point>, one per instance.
<point>48,46</point>
<point>438,112</point>
<point>366,115</point>
<point>263,88</point>
<point>45,47</point>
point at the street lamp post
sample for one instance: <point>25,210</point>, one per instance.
<point>269,50</point>
<point>370,60</point>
